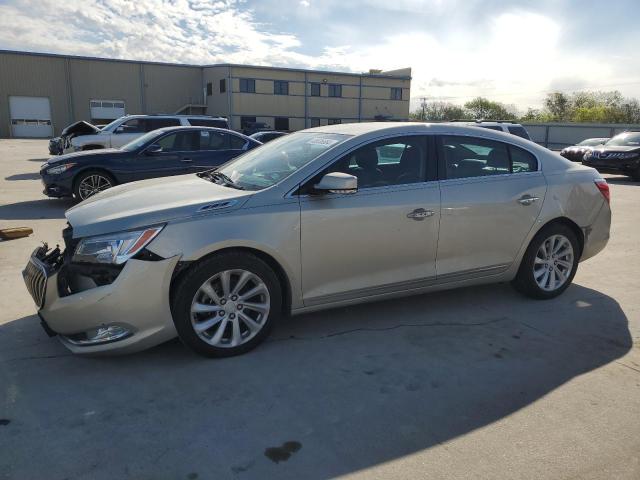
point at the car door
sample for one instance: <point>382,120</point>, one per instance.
<point>382,238</point>
<point>492,194</point>
<point>217,148</point>
<point>171,154</point>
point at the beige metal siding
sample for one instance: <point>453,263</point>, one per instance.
<point>33,76</point>
<point>168,88</point>
<point>104,80</point>
<point>71,83</point>
<point>217,102</point>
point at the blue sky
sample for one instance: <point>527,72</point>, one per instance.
<point>511,51</point>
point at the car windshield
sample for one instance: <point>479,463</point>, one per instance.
<point>626,139</point>
<point>267,165</point>
<point>139,142</point>
<point>109,126</point>
<point>591,142</point>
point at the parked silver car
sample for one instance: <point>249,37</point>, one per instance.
<point>320,218</point>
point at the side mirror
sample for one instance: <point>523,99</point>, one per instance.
<point>153,149</point>
<point>337,182</point>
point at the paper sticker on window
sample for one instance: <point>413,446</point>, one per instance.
<point>327,142</point>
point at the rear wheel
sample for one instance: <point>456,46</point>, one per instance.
<point>549,264</point>
<point>226,305</point>
<point>91,182</point>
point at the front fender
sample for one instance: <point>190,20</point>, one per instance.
<point>272,230</point>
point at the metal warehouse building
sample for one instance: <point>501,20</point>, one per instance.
<point>40,94</point>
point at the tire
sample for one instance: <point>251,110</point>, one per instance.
<point>545,277</point>
<point>81,193</point>
<point>200,300</point>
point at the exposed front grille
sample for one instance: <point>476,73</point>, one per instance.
<point>35,279</point>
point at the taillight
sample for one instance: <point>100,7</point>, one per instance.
<point>603,186</point>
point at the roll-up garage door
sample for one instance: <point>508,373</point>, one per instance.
<point>30,117</point>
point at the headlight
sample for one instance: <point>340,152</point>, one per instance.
<point>58,169</point>
<point>115,248</point>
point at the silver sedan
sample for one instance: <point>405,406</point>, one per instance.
<point>321,218</point>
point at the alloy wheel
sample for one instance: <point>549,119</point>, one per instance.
<point>230,308</point>
<point>553,263</point>
<point>93,184</point>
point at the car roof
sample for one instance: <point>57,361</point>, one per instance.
<point>198,127</point>
<point>406,127</point>
<point>168,115</point>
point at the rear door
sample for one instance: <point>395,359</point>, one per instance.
<point>176,156</point>
<point>492,193</point>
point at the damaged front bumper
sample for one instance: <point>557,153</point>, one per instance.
<point>94,309</point>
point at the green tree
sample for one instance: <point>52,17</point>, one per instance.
<point>558,106</point>
<point>481,108</point>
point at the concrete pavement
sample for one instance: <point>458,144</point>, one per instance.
<point>471,383</point>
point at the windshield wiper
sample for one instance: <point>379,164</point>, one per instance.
<point>226,180</point>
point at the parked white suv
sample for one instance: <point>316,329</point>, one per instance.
<point>499,125</point>
<point>84,136</point>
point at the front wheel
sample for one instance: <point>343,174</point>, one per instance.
<point>90,183</point>
<point>549,264</point>
<point>227,304</point>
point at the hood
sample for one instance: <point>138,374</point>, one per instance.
<point>150,202</point>
<point>90,154</point>
<point>614,148</point>
<point>80,128</point>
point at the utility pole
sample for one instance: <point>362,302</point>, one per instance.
<point>424,105</point>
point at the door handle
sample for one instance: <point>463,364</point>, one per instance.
<point>186,159</point>
<point>420,214</point>
<point>527,200</point>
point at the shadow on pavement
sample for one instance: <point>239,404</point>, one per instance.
<point>330,393</point>
<point>46,208</point>
<point>23,176</point>
<point>622,181</point>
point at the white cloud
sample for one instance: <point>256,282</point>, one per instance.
<point>514,56</point>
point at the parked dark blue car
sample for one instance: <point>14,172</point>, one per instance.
<point>160,153</point>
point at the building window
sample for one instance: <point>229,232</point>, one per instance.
<point>223,85</point>
<point>247,85</point>
<point>209,89</point>
<point>280,87</point>
<point>334,121</point>
<point>245,122</point>
<point>315,122</point>
<point>335,90</point>
<point>281,123</point>
<point>396,93</point>
<point>315,89</point>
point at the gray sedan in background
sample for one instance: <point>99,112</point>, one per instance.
<point>321,218</point>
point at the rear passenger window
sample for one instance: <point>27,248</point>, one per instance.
<point>519,131</point>
<point>466,157</point>
<point>237,143</point>
<point>212,140</point>
<point>205,122</point>
<point>522,160</point>
<point>155,123</point>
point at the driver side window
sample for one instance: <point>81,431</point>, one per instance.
<point>394,161</point>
